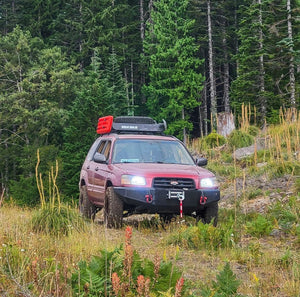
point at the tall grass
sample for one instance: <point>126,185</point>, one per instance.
<point>53,216</point>
<point>262,249</point>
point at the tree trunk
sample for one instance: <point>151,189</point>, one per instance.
<point>291,49</point>
<point>261,68</point>
<point>131,111</point>
<point>213,99</point>
<point>226,69</point>
<point>80,39</point>
<point>142,21</point>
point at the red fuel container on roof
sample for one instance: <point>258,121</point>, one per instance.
<point>105,124</point>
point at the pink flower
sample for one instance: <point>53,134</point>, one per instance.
<point>115,280</point>
<point>179,286</point>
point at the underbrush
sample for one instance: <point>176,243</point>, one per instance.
<point>52,251</point>
<point>34,263</point>
<point>58,220</point>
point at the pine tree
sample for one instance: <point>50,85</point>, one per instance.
<point>249,86</point>
<point>174,83</point>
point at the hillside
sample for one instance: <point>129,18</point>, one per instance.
<point>258,233</point>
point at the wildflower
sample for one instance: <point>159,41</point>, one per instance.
<point>128,235</point>
<point>147,287</point>
<point>179,286</point>
<point>115,280</point>
<point>156,266</point>
<point>128,253</point>
<point>128,261</point>
<point>140,285</point>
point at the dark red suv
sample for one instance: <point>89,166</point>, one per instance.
<point>133,168</point>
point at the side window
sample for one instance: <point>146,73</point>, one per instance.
<point>91,152</point>
<point>101,146</point>
<point>104,148</point>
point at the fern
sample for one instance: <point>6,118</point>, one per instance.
<point>94,279</point>
<point>226,285</point>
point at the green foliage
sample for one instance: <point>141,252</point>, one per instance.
<point>259,226</point>
<point>174,80</point>
<point>227,170</point>
<point>13,260</point>
<point>214,139</point>
<point>96,274</point>
<point>253,130</point>
<point>103,93</point>
<point>253,193</point>
<point>205,236</point>
<point>238,139</point>
<point>286,214</point>
<point>24,191</point>
<point>278,169</point>
<point>226,285</point>
<point>95,278</point>
<point>57,220</point>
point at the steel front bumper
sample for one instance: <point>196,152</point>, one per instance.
<point>150,200</point>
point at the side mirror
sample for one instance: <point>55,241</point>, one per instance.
<point>201,162</point>
<point>99,158</point>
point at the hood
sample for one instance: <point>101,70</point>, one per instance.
<point>163,170</point>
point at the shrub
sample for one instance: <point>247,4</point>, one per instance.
<point>57,220</point>
<point>286,214</point>
<point>278,169</point>
<point>238,139</point>
<point>24,191</point>
<point>205,236</point>
<point>214,140</point>
<point>259,226</point>
<point>253,130</point>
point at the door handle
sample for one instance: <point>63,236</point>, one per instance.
<point>96,168</point>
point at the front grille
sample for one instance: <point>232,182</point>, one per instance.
<point>173,183</point>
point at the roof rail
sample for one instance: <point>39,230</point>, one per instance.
<point>133,124</point>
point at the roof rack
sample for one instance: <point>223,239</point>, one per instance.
<point>133,124</point>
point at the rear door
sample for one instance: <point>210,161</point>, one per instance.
<point>101,172</point>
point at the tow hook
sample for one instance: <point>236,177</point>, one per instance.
<point>203,200</point>
<point>149,198</point>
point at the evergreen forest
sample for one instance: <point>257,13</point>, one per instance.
<point>65,63</point>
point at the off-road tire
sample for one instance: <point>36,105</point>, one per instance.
<point>86,207</point>
<point>209,214</point>
<point>113,209</point>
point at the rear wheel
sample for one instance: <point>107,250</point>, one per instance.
<point>209,214</point>
<point>113,209</point>
<point>86,207</point>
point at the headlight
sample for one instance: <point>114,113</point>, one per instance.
<point>208,182</point>
<point>133,180</point>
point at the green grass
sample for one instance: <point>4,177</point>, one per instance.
<point>42,250</point>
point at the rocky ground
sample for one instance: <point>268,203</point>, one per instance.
<point>257,193</point>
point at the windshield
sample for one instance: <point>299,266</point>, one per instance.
<point>150,151</point>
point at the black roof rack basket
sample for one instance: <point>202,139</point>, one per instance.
<point>136,124</point>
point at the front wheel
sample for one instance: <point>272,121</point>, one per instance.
<point>113,209</point>
<point>86,207</point>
